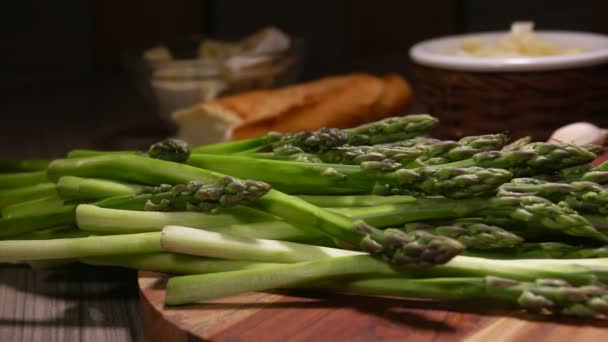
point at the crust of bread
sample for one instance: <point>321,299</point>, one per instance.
<point>396,99</point>
<point>341,101</point>
<point>342,107</point>
<point>266,104</point>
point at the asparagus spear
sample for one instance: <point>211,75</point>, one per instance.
<point>379,132</point>
<point>600,177</point>
<point>467,147</point>
<point>240,221</point>
<point>59,232</point>
<point>205,243</point>
<point>230,147</point>
<point>20,179</point>
<point>517,144</point>
<point>170,149</point>
<point>19,250</point>
<point>530,211</point>
<point>544,250</point>
<point>391,129</point>
<point>85,189</point>
<point>530,159</point>
<point>310,178</point>
<point>26,193</point>
<point>20,224</point>
<point>594,148</point>
<point>197,196</point>
<point>84,153</point>
<point>38,205</point>
<point>193,288</point>
<point>395,155</point>
<point>583,196</point>
<point>542,295</point>
<point>471,234</point>
<point>130,168</point>
<point>586,172</point>
<point>355,201</point>
<point>174,150</point>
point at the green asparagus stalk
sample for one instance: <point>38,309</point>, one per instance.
<point>449,151</point>
<point>530,159</point>
<point>239,221</point>
<point>355,201</point>
<point>84,153</point>
<point>391,129</point>
<point>292,177</point>
<point>97,219</point>
<point>517,144</point>
<point>230,147</point>
<point>204,190</point>
<point>19,250</point>
<point>599,177</point>
<point>337,179</point>
<point>21,224</point>
<point>599,222</point>
<point>168,149</point>
<point>544,250</point>
<point>59,232</point>
<point>130,168</point>
<point>583,196</point>
<point>172,263</point>
<point>174,150</point>
<point>23,165</point>
<point>38,205</point>
<point>586,172</point>
<point>470,234</point>
<point>594,148</point>
<point>379,132</point>
<point>197,196</point>
<point>394,156</point>
<point>199,242</point>
<point>530,211</point>
<point>21,179</point>
<point>87,189</point>
<point>193,288</point>
<point>542,295</point>
<point>16,195</point>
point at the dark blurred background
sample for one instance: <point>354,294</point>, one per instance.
<point>64,84</point>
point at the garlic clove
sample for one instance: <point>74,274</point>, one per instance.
<point>579,133</point>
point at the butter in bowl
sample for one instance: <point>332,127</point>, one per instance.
<point>532,81</point>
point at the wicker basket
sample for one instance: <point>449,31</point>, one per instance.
<point>524,103</point>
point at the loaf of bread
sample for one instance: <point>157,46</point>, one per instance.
<point>340,101</point>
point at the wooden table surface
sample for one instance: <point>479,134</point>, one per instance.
<point>75,303</point>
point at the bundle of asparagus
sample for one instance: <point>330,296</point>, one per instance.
<point>378,209</point>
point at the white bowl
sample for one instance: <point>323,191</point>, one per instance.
<point>595,51</point>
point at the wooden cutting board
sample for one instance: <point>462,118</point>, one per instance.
<point>298,316</point>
